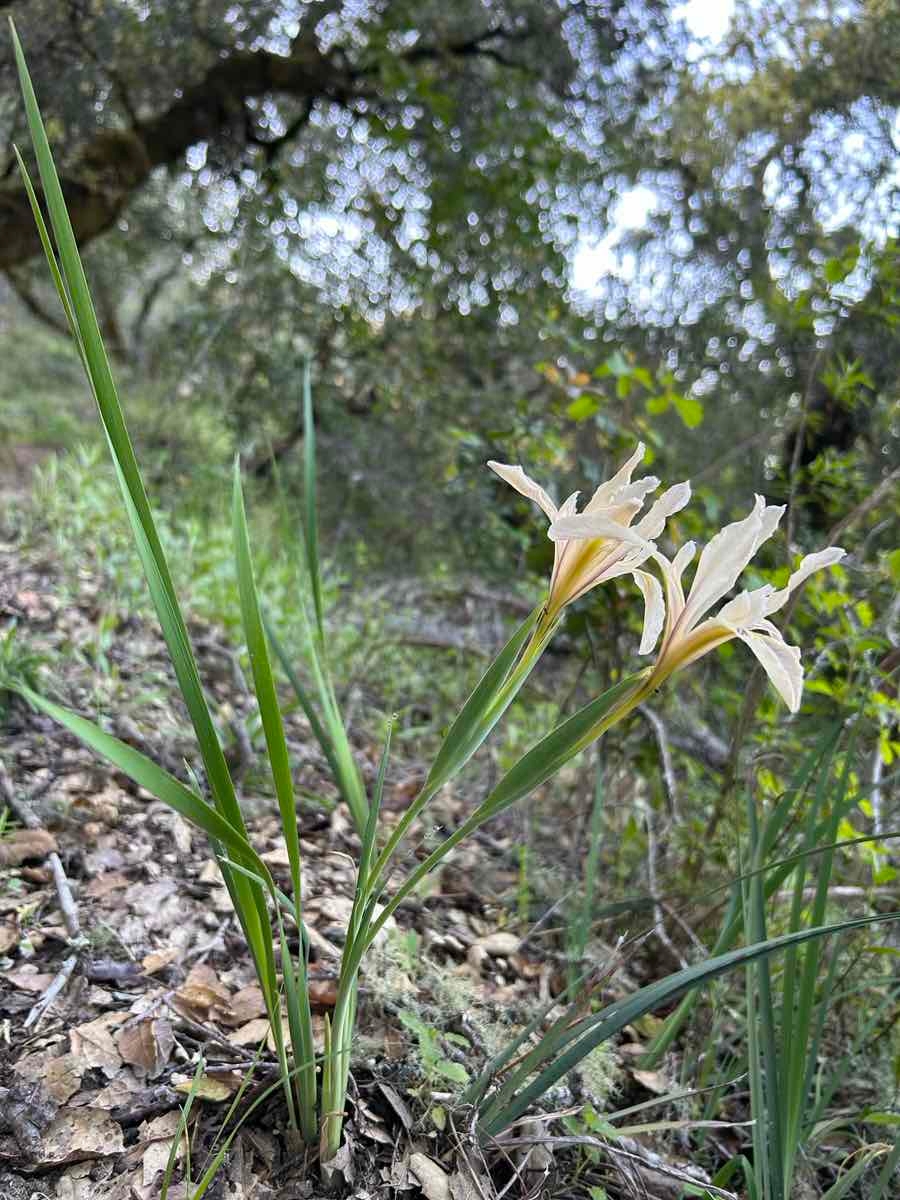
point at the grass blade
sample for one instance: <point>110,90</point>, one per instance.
<point>882,1183</point>
<point>615,1017</point>
<point>49,252</point>
<point>303,696</point>
<point>180,1131</point>
<point>264,685</point>
<point>311,519</point>
<point>147,774</point>
<point>482,710</point>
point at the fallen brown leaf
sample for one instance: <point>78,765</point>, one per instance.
<point>9,936</point>
<point>60,1076</point>
<point>208,1088</point>
<point>464,1187</point>
<point>157,960</point>
<point>398,1104</point>
<point>203,995</point>
<point>28,979</point>
<point>24,844</point>
<point>147,1044</point>
<point>80,1133</point>
<point>95,1045</point>
<point>250,1034</point>
<point>434,1180</point>
<point>152,1150</point>
<point>118,1093</point>
<point>500,944</point>
<point>102,885</point>
<point>278,856</point>
<point>653,1081</point>
<point>245,1005</point>
<point>322,992</point>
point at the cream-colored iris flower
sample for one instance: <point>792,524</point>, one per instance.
<point>687,636</point>
<point>600,543</point>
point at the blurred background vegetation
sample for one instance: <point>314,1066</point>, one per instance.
<point>503,229</point>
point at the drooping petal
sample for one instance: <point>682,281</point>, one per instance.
<point>808,566</point>
<point>781,662</point>
<point>607,491</point>
<point>670,502</point>
<point>587,525</point>
<point>725,556</point>
<point>525,485</point>
<point>654,609</point>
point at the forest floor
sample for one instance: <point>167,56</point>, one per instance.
<point>123,964</point>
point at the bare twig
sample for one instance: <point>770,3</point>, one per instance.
<point>29,818</point>
<point>57,986</point>
<point>659,916</point>
<point>67,905</point>
<point>702,743</point>
<point>649,1161</point>
<point>683,924</point>
<point>655,722</point>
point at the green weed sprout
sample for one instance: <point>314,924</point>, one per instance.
<point>592,547</point>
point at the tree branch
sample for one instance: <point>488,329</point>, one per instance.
<point>117,161</point>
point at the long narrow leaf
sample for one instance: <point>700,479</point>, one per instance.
<point>311,519</point>
<point>75,296</point>
<point>883,1182</point>
<point>563,743</point>
<point>733,920</point>
<point>765,1073</point>
<point>181,1128</point>
<point>471,726</point>
<point>296,995</point>
<point>616,1016</point>
<point>147,774</point>
<point>49,253</point>
<point>264,684</point>
<point>303,696</point>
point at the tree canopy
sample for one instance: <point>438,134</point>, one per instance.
<point>403,191</point>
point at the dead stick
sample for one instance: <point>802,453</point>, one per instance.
<point>62,978</point>
<point>66,900</point>
<point>31,820</point>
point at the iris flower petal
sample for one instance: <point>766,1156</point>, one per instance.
<point>781,662</point>
<point>525,485</point>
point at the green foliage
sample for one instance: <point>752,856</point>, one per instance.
<point>17,660</point>
<point>437,1068</point>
